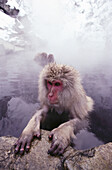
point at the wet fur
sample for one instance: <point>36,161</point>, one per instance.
<point>73,97</point>
<point>65,118</point>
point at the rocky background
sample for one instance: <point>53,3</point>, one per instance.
<point>7,9</point>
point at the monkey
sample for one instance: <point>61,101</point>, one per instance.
<point>63,101</point>
<point>43,58</point>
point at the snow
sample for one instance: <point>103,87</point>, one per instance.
<point>10,27</point>
<point>13,4</point>
<point>71,26</point>
<point>6,26</point>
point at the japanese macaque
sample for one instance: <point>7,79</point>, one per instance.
<point>44,58</point>
<point>64,108</point>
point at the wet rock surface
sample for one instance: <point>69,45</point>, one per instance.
<point>37,158</point>
<point>97,158</point>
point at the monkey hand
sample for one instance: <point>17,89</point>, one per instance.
<point>60,137</point>
<point>24,142</point>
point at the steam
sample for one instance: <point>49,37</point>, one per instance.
<point>76,32</point>
<point>79,33</point>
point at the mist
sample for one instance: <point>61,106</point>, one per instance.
<point>77,33</point>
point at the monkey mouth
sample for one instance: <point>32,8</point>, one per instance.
<point>52,102</point>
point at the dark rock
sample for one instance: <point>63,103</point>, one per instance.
<point>96,158</point>
<point>4,106</point>
<point>7,10</point>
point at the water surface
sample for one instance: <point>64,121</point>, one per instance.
<point>18,97</point>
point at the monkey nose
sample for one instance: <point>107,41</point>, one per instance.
<point>50,94</point>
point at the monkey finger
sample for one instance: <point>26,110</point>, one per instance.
<point>50,136</point>
<point>17,142</point>
<point>53,147</point>
<point>21,151</point>
<point>28,146</point>
<point>61,151</point>
<point>52,144</point>
<point>17,146</point>
<point>22,147</point>
<point>38,135</point>
<point>57,151</point>
<point>28,143</point>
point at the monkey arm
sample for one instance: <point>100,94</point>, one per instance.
<point>32,129</point>
<point>61,137</point>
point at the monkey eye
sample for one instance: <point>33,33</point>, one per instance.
<point>50,83</point>
<point>57,84</point>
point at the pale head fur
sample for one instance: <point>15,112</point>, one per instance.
<point>73,97</point>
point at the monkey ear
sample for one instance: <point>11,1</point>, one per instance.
<point>43,59</point>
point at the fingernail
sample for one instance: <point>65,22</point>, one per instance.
<point>50,137</point>
<point>39,136</point>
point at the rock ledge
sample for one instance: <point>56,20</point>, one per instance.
<point>96,158</point>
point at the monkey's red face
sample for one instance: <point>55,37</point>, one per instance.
<point>54,88</point>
